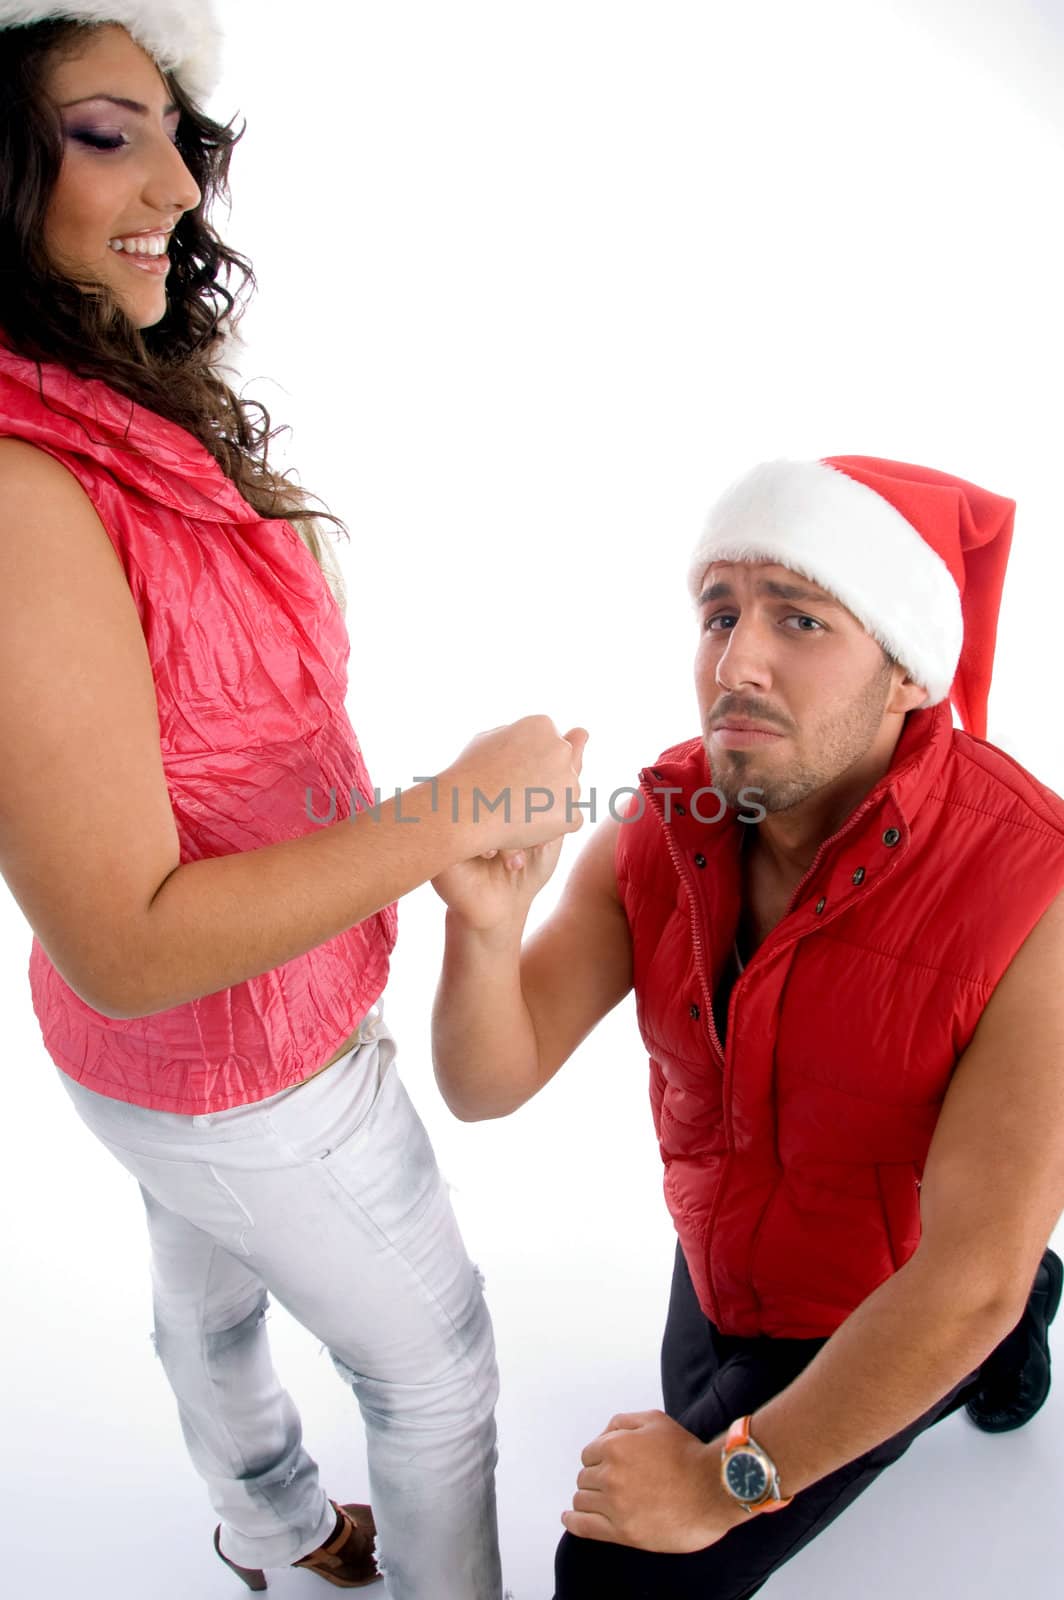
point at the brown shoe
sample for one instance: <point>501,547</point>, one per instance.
<point>346,1559</point>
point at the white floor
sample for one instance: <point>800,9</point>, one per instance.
<point>561,1208</point>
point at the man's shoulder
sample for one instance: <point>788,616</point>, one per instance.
<point>980,775</point>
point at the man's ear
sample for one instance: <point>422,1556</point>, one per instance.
<point>906,694</point>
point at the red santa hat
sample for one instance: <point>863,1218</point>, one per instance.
<point>918,556</point>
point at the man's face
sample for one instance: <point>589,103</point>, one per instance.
<point>775,649</point>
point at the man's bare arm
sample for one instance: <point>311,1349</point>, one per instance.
<point>506,1018</point>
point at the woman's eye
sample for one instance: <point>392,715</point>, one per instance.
<point>100,141</point>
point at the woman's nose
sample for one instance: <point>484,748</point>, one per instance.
<point>172,186</point>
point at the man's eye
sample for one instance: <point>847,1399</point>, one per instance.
<point>720,616</point>
<point>815,628</point>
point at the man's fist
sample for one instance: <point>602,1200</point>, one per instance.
<point>648,1483</point>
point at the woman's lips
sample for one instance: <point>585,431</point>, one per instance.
<point>158,266</point>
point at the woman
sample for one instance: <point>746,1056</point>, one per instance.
<point>209,957</point>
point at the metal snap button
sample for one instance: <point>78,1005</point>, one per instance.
<point>821,903</point>
<point>695,1013</point>
<point>891,836</point>
<point>858,876</point>
<point>700,860</point>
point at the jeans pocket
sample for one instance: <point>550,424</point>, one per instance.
<point>328,1111</point>
<point>388,1168</point>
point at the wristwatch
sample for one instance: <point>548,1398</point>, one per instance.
<point>748,1473</point>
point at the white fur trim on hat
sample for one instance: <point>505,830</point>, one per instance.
<point>839,533</point>
<point>182,36</point>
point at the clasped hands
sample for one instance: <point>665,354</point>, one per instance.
<point>648,1483</point>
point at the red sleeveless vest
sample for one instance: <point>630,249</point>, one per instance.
<point>249,654</point>
<point>793,1158</point>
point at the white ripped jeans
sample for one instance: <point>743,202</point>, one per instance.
<point>328,1196</point>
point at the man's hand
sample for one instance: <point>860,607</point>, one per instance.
<point>495,889</point>
<point>648,1483</point>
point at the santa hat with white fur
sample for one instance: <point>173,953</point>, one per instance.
<point>918,556</point>
<point>182,36</point>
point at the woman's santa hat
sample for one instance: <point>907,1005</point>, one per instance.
<point>182,36</point>
<point>918,557</point>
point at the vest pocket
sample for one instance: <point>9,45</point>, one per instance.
<point>899,1195</point>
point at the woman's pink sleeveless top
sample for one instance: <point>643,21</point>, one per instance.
<point>249,654</point>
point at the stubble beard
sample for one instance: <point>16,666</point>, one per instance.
<point>840,743</point>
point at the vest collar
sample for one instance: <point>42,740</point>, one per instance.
<point>865,851</point>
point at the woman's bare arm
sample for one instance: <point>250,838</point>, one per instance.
<point>88,842</point>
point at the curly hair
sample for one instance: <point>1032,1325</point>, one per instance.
<point>172,368</point>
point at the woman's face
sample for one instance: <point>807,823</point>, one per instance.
<point>123,185</point>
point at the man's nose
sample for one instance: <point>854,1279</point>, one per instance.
<point>745,658</point>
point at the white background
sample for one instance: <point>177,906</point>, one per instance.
<point>537,280</point>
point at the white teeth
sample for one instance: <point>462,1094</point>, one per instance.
<point>153,244</point>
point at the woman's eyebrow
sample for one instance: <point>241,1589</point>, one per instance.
<point>118,100</point>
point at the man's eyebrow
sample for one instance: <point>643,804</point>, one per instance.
<point>777,591</point>
<point>117,100</point>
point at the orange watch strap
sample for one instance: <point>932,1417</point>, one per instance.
<point>737,1437</point>
<point>738,1434</point>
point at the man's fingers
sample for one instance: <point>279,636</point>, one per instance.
<point>623,1422</point>
<point>589,1525</point>
<point>512,860</point>
<point>590,1478</point>
<point>627,1420</point>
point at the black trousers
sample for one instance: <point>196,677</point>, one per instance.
<point>707,1381</point>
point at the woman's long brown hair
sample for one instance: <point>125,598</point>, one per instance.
<point>172,368</point>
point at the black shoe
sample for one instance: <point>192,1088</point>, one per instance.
<point>1014,1378</point>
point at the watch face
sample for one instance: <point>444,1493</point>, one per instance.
<point>745,1476</point>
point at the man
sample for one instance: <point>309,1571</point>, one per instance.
<point>853,1012</point>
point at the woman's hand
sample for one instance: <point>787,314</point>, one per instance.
<point>517,785</point>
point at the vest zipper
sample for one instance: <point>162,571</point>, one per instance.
<point>711,1027</point>
<point>696,935</point>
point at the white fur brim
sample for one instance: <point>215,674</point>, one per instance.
<point>182,36</point>
<point>817,521</point>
